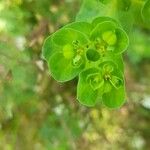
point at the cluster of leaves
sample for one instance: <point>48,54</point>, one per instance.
<point>92,51</point>
<point>92,47</point>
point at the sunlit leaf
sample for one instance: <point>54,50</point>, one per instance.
<point>98,20</point>
<point>83,27</point>
<point>112,35</point>
<point>122,41</point>
<point>101,28</point>
<point>86,94</point>
<point>62,69</point>
<point>115,98</point>
<point>68,36</point>
<point>57,41</point>
<point>49,47</point>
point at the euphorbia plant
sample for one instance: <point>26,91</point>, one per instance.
<point>91,48</point>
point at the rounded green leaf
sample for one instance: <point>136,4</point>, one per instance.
<point>96,80</point>
<point>68,36</point>
<point>106,88</point>
<point>112,67</point>
<point>101,28</point>
<point>86,93</point>
<point>112,74</point>
<point>114,91</point>
<point>98,20</point>
<point>62,69</point>
<point>114,59</point>
<point>122,41</point>
<point>49,48</point>
<point>115,98</point>
<point>119,61</point>
<point>57,41</point>
<point>83,27</point>
<point>108,64</point>
<point>116,38</point>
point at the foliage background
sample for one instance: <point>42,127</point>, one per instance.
<point>37,113</point>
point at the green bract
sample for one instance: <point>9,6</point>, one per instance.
<point>97,83</point>
<point>88,85</point>
<point>92,51</point>
<point>113,85</point>
<point>98,20</point>
<point>109,37</point>
<point>68,60</point>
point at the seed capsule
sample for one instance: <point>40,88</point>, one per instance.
<point>77,61</point>
<point>109,37</point>
<point>68,51</point>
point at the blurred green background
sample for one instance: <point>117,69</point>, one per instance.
<point>37,113</point>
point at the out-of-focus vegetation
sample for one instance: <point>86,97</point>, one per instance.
<point>36,113</point>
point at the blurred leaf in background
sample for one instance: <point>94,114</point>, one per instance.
<point>140,46</point>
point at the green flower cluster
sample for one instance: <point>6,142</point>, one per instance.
<point>92,51</point>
